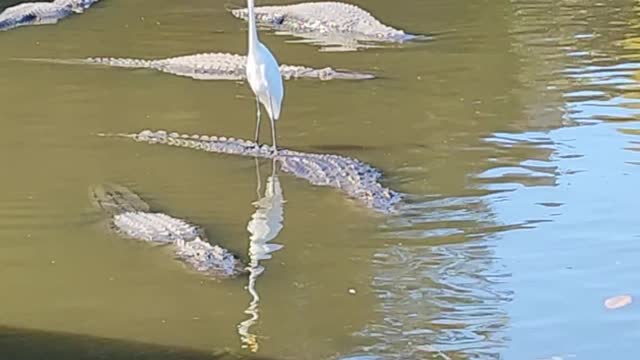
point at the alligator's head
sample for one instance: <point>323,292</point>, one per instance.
<point>271,19</point>
<point>262,17</point>
<point>79,6</point>
<point>211,259</point>
<point>220,263</point>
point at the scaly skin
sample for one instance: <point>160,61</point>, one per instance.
<point>131,217</point>
<point>222,66</point>
<point>355,178</point>
<point>38,13</point>
<point>329,22</point>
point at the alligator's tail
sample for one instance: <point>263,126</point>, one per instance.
<point>108,61</point>
<point>120,62</point>
<point>116,199</point>
<point>51,60</point>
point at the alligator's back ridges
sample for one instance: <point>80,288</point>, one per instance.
<point>155,227</point>
<point>357,179</point>
<point>38,13</point>
<point>222,66</point>
<point>120,62</point>
<point>338,22</point>
<point>131,217</point>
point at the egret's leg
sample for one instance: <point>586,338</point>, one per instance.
<point>257,120</point>
<point>273,135</point>
<point>273,168</point>
<point>258,176</point>
<point>273,128</point>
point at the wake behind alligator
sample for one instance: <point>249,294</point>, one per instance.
<point>328,23</point>
<point>353,177</point>
<point>39,13</point>
<point>132,217</point>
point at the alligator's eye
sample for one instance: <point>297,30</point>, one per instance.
<point>278,20</point>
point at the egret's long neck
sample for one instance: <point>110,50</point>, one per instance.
<point>253,32</point>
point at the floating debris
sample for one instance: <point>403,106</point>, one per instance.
<point>617,302</point>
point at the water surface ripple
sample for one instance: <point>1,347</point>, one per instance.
<point>551,232</point>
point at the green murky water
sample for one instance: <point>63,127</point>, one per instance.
<point>515,133</point>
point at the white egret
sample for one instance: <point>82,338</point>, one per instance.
<point>263,75</point>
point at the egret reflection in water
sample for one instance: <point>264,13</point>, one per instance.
<point>265,225</point>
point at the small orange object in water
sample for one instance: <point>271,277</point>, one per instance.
<point>617,301</point>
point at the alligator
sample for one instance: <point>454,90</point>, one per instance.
<point>331,23</point>
<point>40,13</point>
<point>131,217</point>
<point>353,177</point>
<point>222,66</point>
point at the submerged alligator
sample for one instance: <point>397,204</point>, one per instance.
<point>39,13</point>
<point>353,177</point>
<point>333,23</point>
<point>222,66</point>
<point>131,217</point>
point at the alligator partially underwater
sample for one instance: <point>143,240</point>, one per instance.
<point>132,217</point>
<point>330,23</point>
<point>353,177</point>
<point>222,66</point>
<point>40,13</point>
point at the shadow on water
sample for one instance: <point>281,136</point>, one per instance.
<point>27,344</point>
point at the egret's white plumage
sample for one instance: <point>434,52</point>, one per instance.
<point>263,75</point>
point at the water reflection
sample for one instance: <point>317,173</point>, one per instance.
<point>336,43</point>
<point>328,43</point>
<point>265,225</point>
<point>443,290</point>
<point>451,282</point>
<point>439,285</point>
<point>576,184</point>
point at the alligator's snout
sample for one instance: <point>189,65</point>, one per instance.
<point>270,18</point>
